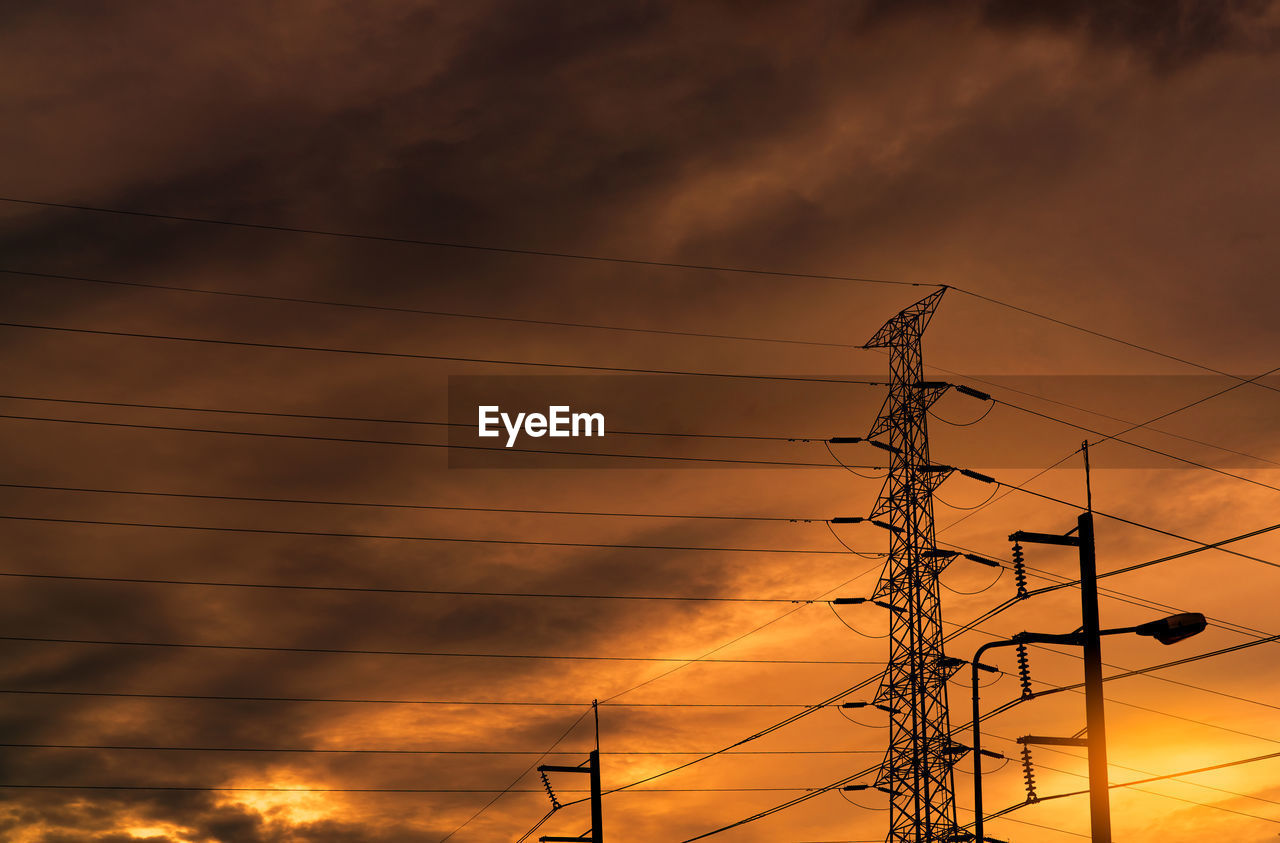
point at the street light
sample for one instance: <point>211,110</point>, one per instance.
<point>1168,630</point>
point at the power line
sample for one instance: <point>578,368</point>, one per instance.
<point>1005,494</point>
<point>1035,825</point>
<point>759,734</point>
<point>1059,751</point>
<point>713,650</point>
<point>411,241</point>
<point>1170,557</point>
<point>1183,718</point>
<point>1140,525</point>
<point>427,654</point>
<point>785,805</point>
<point>1260,638</point>
<point>327,534</point>
<point>390,590</point>
<point>366,701</point>
<point>422,312</point>
<point>1119,595</point>
<point>1176,663</point>
<point>1169,796</point>
<point>601,259</point>
<point>1015,702</point>
<point>440,445</point>
<point>487,752</point>
<point>1131,443</point>
<point>413,506</point>
<point>1145,425</point>
<point>486,806</point>
<point>419,422</point>
<point>442,357</point>
<point>739,638</point>
<point>1076,689</point>
<point>1165,777</point>
<point>1101,335</point>
<point>841,782</point>
<point>770,729</point>
<point>1269,756</point>
<point>216,789</point>
<point>548,815</point>
<point>1060,582</point>
<point>584,325</point>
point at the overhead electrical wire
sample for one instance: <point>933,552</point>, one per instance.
<point>756,735</point>
<point>1098,413</point>
<point>1060,751</point>
<point>437,445</point>
<point>1055,586</point>
<point>486,806</point>
<point>791,803</point>
<point>1175,663</point>
<point>240,294</point>
<point>452,539</point>
<point>1166,777</point>
<point>391,590</point>
<point>368,701</point>
<point>361,751</point>
<point>739,638</point>
<point>1009,490</point>
<point>443,244</point>
<point>1073,326</point>
<point>1101,335</point>
<point>770,729</point>
<point>439,357</point>
<point>191,645</point>
<point>221,789</point>
<point>1162,559</point>
<point>412,506</point>
<point>548,815</point>
<point>1121,519</point>
<point>1058,582</point>
<point>213,221</point>
<point>371,419</point>
<point>1076,688</point>
<point>1131,443</point>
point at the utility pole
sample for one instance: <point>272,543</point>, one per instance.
<point>596,833</point>
<point>1095,718</point>
<point>918,767</point>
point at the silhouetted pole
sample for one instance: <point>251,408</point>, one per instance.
<point>978,829</point>
<point>1095,720</point>
<point>597,801</point>
<point>597,797</point>
<point>597,813</point>
<point>1091,640</point>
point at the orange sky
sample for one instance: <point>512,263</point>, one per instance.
<point>1112,167</point>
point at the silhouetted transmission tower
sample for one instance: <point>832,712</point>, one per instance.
<point>917,770</point>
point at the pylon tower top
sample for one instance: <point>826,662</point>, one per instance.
<point>918,765</point>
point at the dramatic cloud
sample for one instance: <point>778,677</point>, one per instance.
<point>1110,164</point>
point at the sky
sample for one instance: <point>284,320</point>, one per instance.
<point>257,259</point>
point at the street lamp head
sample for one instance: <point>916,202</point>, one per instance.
<point>1174,628</point>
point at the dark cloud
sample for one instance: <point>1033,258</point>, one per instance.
<point>1014,148</point>
<point>1171,34</point>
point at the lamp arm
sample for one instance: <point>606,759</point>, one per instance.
<point>977,733</point>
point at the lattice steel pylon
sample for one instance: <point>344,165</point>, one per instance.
<point>918,767</point>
